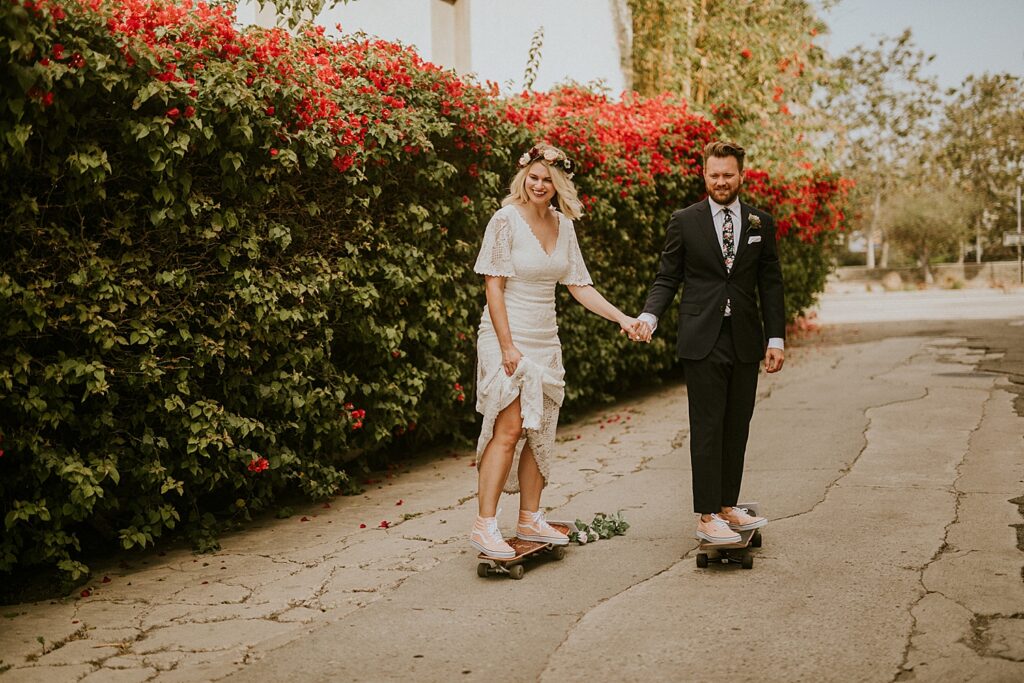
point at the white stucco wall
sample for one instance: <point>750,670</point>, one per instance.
<point>579,36</point>
<point>579,41</point>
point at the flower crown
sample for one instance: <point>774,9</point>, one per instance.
<point>550,156</point>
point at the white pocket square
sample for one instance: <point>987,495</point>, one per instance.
<point>753,238</point>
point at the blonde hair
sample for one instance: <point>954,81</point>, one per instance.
<point>565,191</point>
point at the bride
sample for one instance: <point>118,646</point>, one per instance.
<point>528,248</point>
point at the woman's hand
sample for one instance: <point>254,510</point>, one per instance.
<point>510,358</point>
<point>628,327</point>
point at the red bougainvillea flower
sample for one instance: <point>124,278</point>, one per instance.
<point>362,526</point>
<point>58,52</point>
<point>86,593</point>
<point>258,464</point>
<point>746,54</point>
<point>173,113</point>
<point>190,111</point>
<point>385,524</point>
<point>400,501</point>
<point>270,111</point>
<point>273,151</point>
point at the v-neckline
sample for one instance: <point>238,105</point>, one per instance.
<point>540,245</point>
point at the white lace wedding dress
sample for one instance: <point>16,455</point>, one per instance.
<point>511,250</point>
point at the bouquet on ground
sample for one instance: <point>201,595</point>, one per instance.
<point>602,526</point>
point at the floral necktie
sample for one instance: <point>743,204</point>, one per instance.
<point>728,239</point>
<point>728,248</point>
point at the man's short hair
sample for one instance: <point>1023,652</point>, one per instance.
<point>723,148</point>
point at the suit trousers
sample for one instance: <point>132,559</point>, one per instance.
<point>720,393</point>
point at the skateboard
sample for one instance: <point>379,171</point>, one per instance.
<point>513,566</point>
<point>738,553</point>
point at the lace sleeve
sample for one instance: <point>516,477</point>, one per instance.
<point>496,250</point>
<point>576,273</point>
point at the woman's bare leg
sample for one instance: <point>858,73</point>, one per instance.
<point>496,461</point>
<point>531,481</point>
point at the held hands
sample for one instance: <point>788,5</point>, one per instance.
<point>510,358</point>
<point>773,360</point>
<point>637,330</point>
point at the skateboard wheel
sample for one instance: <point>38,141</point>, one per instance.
<point>483,569</point>
<point>756,540</point>
<point>702,561</point>
<point>516,571</point>
<point>748,561</point>
<point>559,552</point>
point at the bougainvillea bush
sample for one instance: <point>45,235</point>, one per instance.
<point>234,260</point>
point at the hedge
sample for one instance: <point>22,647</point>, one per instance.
<point>235,260</point>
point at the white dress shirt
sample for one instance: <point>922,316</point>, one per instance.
<point>718,216</point>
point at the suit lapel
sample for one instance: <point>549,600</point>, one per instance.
<point>707,228</point>
<point>741,230</point>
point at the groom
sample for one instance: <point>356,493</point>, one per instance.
<point>722,253</point>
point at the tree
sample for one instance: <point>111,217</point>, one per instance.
<point>983,150</point>
<point>927,221</point>
<point>754,65</point>
<point>882,105</point>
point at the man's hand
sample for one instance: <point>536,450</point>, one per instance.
<point>773,360</point>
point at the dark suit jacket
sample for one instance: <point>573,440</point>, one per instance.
<point>693,259</point>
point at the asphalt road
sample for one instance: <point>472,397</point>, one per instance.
<point>889,456</point>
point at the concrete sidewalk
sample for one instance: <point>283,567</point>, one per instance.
<point>887,468</point>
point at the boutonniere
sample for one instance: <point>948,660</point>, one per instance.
<point>755,222</point>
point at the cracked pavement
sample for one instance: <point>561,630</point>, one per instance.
<point>889,459</point>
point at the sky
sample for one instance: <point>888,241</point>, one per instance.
<point>966,36</point>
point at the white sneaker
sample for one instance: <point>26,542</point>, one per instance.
<point>533,527</point>
<point>486,538</point>
<point>716,530</point>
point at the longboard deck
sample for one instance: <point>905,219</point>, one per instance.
<point>515,566</point>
